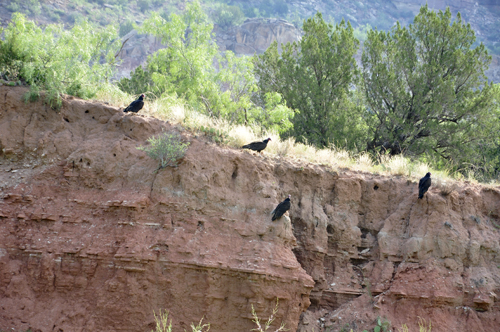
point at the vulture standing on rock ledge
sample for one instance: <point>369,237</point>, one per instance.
<point>423,185</point>
<point>257,146</point>
<point>281,209</point>
<point>136,105</point>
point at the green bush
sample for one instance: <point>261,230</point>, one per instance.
<point>140,81</point>
<point>143,5</point>
<point>13,6</point>
<point>126,27</point>
<point>57,61</point>
<point>225,15</point>
<point>167,148</point>
<point>280,7</point>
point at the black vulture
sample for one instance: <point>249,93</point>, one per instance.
<point>136,105</point>
<point>257,146</point>
<point>423,185</point>
<point>281,209</point>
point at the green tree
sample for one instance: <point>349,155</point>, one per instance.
<point>192,67</point>
<point>426,91</point>
<point>55,60</point>
<point>185,66</point>
<point>315,78</point>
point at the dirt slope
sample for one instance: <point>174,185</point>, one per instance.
<point>92,240</point>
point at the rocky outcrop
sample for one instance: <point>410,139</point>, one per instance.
<point>255,35</point>
<point>92,239</point>
<point>385,253</point>
<point>135,51</point>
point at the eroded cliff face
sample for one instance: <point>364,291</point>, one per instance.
<point>92,239</point>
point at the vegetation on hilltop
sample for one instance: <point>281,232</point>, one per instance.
<point>420,92</point>
<point>361,14</point>
<point>426,90</point>
<point>55,60</point>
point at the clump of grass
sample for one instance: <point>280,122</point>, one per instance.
<point>445,186</point>
<point>167,148</point>
<point>267,324</point>
<point>163,324</point>
<point>422,324</point>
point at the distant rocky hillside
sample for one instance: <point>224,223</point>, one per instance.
<point>253,36</point>
<point>260,28</point>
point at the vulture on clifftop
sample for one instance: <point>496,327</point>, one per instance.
<point>257,146</point>
<point>423,185</point>
<point>281,209</point>
<point>136,105</point>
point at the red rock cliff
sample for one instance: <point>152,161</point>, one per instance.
<point>91,239</point>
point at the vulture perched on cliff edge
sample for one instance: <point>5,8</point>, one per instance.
<point>136,105</point>
<point>423,185</point>
<point>257,146</point>
<point>281,209</point>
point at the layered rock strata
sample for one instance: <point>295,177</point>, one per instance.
<point>93,239</point>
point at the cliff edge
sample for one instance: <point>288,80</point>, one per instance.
<point>93,239</point>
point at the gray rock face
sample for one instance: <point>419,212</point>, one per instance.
<point>253,36</point>
<point>135,51</point>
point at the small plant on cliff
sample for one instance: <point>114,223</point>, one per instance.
<point>200,327</point>
<point>166,147</point>
<point>269,321</point>
<point>162,323</point>
<point>422,324</point>
<point>382,325</point>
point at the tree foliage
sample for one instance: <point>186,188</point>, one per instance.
<point>220,85</point>
<point>55,60</point>
<point>315,78</point>
<point>426,90</point>
<point>225,15</point>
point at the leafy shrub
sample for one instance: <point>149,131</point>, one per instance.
<point>75,17</point>
<point>280,7</point>
<point>126,27</point>
<point>143,5</point>
<point>13,6</point>
<point>250,12</point>
<point>34,7</point>
<point>140,81</point>
<point>225,15</point>
<point>167,148</point>
<point>57,61</point>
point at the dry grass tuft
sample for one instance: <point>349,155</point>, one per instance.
<point>445,185</point>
